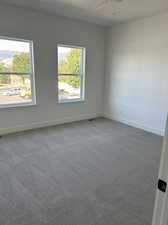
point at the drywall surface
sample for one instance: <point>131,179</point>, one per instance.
<point>136,86</point>
<point>47,31</point>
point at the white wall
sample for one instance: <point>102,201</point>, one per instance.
<point>47,31</point>
<point>136,86</point>
<point>136,70</point>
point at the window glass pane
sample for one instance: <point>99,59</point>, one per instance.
<point>69,60</point>
<point>69,87</point>
<point>15,56</point>
<point>15,89</point>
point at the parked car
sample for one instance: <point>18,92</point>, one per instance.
<point>13,91</point>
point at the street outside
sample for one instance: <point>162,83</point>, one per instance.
<point>11,99</point>
<point>66,91</point>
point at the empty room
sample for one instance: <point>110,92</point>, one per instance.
<point>83,111</point>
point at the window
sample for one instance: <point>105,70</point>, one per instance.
<point>16,73</point>
<point>71,73</point>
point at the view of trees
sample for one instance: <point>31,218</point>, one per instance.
<point>71,65</point>
<point>20,63</point>
<point>4,79</point>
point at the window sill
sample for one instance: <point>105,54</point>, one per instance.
<point>16,106</point>
<point>71,101</point>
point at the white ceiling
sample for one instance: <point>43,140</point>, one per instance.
<point>103,12</point>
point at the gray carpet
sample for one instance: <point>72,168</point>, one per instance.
<point>83,173</point>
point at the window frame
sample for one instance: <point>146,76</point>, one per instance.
<point>31,73</point>
<point>82,75</point>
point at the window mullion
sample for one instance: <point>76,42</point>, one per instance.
<point>15,73</point>
<point>66,74</point>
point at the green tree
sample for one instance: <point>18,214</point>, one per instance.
<point>21,63</point>
<point>71,65</point>
<point>4,79</point>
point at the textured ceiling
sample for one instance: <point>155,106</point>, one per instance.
<point>103,12</point>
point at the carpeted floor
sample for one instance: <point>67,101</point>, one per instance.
<point>83,173</point>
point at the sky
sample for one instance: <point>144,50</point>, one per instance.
<point>63,50</point>
<point>11,45</point>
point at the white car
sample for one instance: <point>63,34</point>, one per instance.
<point>12,91</point>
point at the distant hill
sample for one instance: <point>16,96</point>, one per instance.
<point>7,54</point>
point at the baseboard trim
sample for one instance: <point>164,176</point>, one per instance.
<point>32,126</point>
<point>135,124</point>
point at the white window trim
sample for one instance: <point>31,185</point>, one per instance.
<point>31,73</point>
<point>82,75</point>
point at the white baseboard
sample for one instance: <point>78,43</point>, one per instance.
<point>78,118</point>
<point>135,124</point>
<point>48,123</point>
